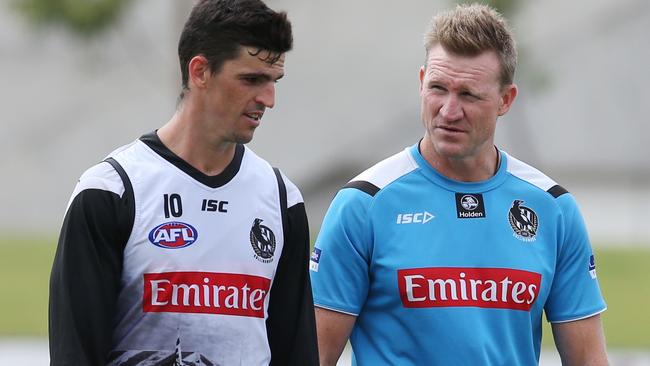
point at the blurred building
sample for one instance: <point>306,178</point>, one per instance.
<point>349,99</point>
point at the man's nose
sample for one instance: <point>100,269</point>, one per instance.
<point>452,109</point>
<point>266,96</point>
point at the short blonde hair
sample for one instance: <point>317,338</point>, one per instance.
<point>469,30</point>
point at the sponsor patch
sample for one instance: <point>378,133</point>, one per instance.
<point>501,288</point>
<point>523,221</point>
<point>470,206</point>
<point>205,292</point>
<point>592,266</point>
<point>263,241</point>
<point>314,259</point>
<point>173,235</point>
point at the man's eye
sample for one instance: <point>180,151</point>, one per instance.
<point>436,87</point>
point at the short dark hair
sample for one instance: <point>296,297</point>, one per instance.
<point>217,29</point>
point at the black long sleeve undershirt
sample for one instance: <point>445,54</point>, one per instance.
<point>85,278</point>
<point>291,324</point>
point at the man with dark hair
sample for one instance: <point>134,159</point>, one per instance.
<point>448,252</point>
<point>184,247</point>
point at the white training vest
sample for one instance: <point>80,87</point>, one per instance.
<point>199,263</point>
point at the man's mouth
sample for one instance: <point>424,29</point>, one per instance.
<point>254,115</point>
<point>450,129</point>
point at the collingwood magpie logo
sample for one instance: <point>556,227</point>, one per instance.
<point>263,241</point>
<point>523,221</point>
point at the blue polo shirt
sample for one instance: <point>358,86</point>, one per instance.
<point>442,272</point>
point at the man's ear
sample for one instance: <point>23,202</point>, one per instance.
<point>422,71</point>
<point>508,96</point>
<point>198,71</point>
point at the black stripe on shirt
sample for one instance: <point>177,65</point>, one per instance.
<point>363,186</point>
<point>557,190</point>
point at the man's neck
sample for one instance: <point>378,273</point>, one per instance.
<point>464,169</point>
<point>185,138</point>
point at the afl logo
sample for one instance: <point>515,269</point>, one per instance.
<point>523,221</point>
<point>173,235</point>
<point>469,202</point>
<point>262,241</point>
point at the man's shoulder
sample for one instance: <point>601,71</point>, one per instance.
<point>97,181</point>
<point>101,176</point>
<point>130,151</point>
<point>533,176</point>
<point>257,162</point>
<point>380,175</point>
<point>254,158</point>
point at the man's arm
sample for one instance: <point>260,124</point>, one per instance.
<point>340,269</point>
<point>575,293</point>
<point>291,324</point>
<point>333,330</point>
<point>85,278</point>
<point>581,342</point>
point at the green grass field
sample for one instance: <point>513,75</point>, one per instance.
<point>624,276</point>
<point>25,271</point>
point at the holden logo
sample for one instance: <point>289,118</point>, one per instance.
<point>470,206</point>
<point>173,235</point>
<point>469,202</point>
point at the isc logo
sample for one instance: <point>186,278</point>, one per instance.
<point>173,235</point>
<point>414,218</point>
<point>214,206</point>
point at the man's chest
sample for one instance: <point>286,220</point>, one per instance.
<point>465,249</point>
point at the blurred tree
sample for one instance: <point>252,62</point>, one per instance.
<point>83,17</point>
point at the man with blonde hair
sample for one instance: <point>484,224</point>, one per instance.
<point>448,252</point>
